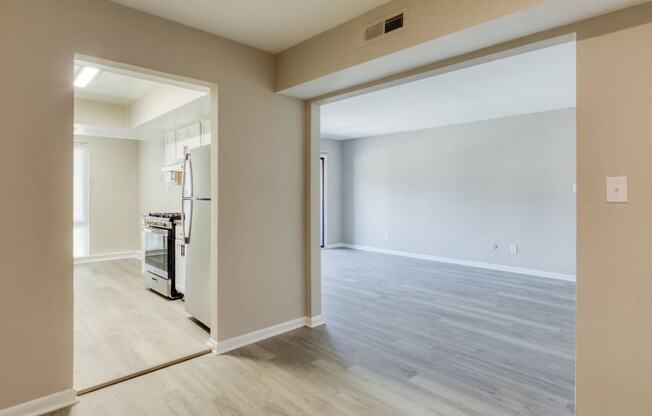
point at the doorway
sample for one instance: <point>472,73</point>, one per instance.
<point>322,200</point>
<point>135,133</point>
<point>442,244</point>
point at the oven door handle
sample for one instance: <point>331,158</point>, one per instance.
<point>155,231</point>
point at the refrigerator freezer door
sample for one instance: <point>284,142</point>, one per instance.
<point>199,291</point>
<point>199,167</point>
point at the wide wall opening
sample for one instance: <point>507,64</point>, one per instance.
<point>449,259</point>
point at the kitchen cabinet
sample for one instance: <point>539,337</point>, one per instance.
<point>194,136</point>
<point>181,143</point>
<point>180,265</point>
<point>205,132</point>
<point>170,148</point>
<point>176,142</point>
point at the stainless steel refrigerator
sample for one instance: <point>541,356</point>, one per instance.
<point>196,211</point>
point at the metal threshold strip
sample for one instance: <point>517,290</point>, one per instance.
<point>139,373</point>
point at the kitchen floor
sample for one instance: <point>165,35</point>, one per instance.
<point>122,328</point>
<point>402,337</point>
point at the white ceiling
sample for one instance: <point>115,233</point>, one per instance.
<point>271,25</point>
<point>541,80</point>
<point>110,87</point>
<point>124,88</point>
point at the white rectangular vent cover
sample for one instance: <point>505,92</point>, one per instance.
<point>383,27</point>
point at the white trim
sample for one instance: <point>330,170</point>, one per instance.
<point>334,245</point>
<point>315,321</point>
<point>43,404</point>
<point>325,193</point>
<point>470,263</point>
<point>212,344</point>
<point>265,333</point>
<point>108,256</point>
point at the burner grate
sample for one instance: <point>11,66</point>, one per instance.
<point>167,215</point>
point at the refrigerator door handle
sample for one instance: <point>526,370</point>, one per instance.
<point>187,219</point>
<point>187,177</point>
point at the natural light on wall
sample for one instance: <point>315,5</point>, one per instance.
<point>80,204</point>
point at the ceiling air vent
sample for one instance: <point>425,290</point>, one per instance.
<point>381,28</point>
<point>394,23</point>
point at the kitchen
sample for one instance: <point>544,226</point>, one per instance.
<point>142,216</point>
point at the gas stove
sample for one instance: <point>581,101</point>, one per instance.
<point>158,253</point>
<point>161,219</point>
<point>169,215</point>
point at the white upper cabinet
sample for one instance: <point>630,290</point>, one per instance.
<point>194,135</point>
<point>170,148</point>
<point>181,143</point>
<point>176,142</point>
<point>206,132</point>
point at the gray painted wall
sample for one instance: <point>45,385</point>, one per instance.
<point>453,191</point>
<point>333,151</point>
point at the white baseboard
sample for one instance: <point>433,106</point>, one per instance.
<point>212,344</point>
<point>107,257</point>
<point>470,263</point>
<point>42,405</point>
<point>315,321</point>
<point>334,245</point>
<point>231,344</point>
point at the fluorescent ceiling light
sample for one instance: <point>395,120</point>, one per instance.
<point>85,76</point>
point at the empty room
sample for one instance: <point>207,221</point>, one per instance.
<point>449,232</point>
<point>360,208</point>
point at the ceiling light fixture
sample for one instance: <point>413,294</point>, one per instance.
<point>85,75</point>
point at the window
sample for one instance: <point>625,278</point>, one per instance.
<point>80,201</point>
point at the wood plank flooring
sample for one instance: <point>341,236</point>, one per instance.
<point>402,337</point>
<point>122,328</point>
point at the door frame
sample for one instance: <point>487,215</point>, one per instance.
<point>323,157</point>
<point>213,90</point>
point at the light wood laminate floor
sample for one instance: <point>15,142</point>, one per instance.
<point>122,328</point>
<point>402,337</point>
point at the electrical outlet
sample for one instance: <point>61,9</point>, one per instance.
<point>513,248</point>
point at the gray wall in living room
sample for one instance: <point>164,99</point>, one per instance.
<point>455,191</point>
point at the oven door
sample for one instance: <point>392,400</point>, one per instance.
<point>155,251</point>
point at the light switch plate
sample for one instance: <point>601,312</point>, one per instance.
<point>617,189</point>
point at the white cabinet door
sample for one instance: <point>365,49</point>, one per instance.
<point>205,132</point>
<point>170,148</point>
<point>180,266</point>
<point>181,143</point>
<point>194,135</point>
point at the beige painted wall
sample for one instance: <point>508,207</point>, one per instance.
<point>114,226</point>
<point>614,284</point>
<point>155,194</point>
<point>101,114</point>
<point>340,48</point>
<point>261,171</point>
